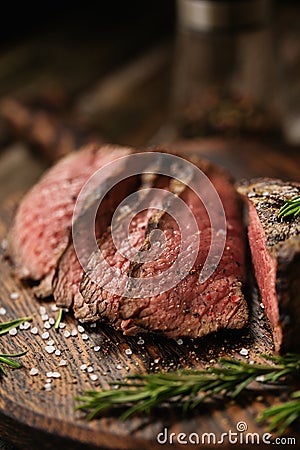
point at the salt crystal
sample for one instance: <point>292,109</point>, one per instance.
<point>80,329</point>
<point>50,349</point>
<point>140,341</point>
<point>26,325</point>
<point>90,369</point>
<point>45,335</point>
<point>14,295</point>
<point>13,331</point>
<point>47,325</point>
<point>33,372</point>
<point>62,325</point>
<point>93,325</point>
<point>54,308</point>
<point>74,332</point>
<point>156,360</point>
<point>244,352</point>
<point>49,380</point>
<point>119,367</point>
<point>93,377</point>
<point>179,341</point>
<point>56,375</point>
<point>262,306</point>
<point>47,387</point>
<point>51,321</point>
<point>97,348</point>
<point>34,330</point>
<point>45,317</point>
<point>84,337</point>
<point>260,378</point>
<point>2,311</point>
<point>67,334</point>
<point>49,374</point>
<point>42,310</point>
<point>83,367</point>
<point>128,351</point>
<point>50,342</point>
<point>57,352</point>
<point>63,362</point>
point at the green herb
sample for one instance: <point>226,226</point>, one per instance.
<point>140,393</point>
<point>6,326</point>
<point>58,320</point>
<point>282,416</point>
<point>290,207</point>
<point>5,359</point>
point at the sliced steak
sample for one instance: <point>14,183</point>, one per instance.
<point>40,232</point>
<point>275,249</point>
<point>190,308</point>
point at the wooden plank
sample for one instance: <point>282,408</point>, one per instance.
<point>47,419</point>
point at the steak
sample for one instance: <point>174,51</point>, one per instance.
<point>275,250</point>
<point>189,308</point>
<point>41,228</point>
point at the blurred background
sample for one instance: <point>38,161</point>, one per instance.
<point>142,73</point>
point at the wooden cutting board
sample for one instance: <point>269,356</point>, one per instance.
<point>33,417</point>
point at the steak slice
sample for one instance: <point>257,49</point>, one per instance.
<point>275,250</point>
<point>190,308</point>
<point>40,232</point>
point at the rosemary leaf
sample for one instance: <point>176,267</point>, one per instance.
<point>290,208</point>
<point>59,318</point>
<point>282,416</point>
<point>142,392</point>
<point>6,326</point>
<point>5,359</point>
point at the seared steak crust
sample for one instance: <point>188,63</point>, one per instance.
<point>275,249</point>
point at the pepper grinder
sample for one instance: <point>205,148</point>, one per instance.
<point>224,73</point>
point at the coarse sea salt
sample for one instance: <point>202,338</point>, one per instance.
<point>74,332</point>
<point>50,342</point>
<point>14,295</point>
<point>45,335</point>
<point>34,330</point>
<point>51,321</point>
<point>90,369</point>
<point>244,352</point>
<point>2,311</point>
<point>54,308</point>
<point>93,377</point>
<point>84,337</point>
<point>63,362</point>
<point>62,325</point>
<point>33,371</point>
<point>13,331</point>
<point>45,317</point>
<point>67,334</point>
<point>43,310</point>
<point>50,349</point>
<point>57,352</point>
<point>80,329</point>
<point>97,348</point>
<point>83,367</point>
<point>128,351</point>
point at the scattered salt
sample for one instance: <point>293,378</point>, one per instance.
<point>55,375</point>
<point>84,337</point>
<point>50,342</point>
<point>43,310</point>
<point>34,330</point>
<point>63,362</point>
<point>74,332</point>
<point>156,360</point>
<point>26,325</point>
<point>260,378</point>
<point>128,351</point>
<point>67,334</point>
<point>13,331</point>
<point>83,367</point>
<point>51,321</point>
<point>33,372</point>
<point>90,369</point>
<point>244,352</point>
<point>93,377</point>
<point>2,311</point>
<point>50,349</point>
<point>47,387</point>
<point>80,329</point>
<point>262,306</point>
<point>54,308</point>
<point>93,325</point>
<point>45,317</point>
<point>140,341</point>
<point>47,325</point>
<point>14,295</point>
<point>62,325</point>
<point>57,352</point>
<point>97,348</point>
<point>119,367</point>
<point>179,341</point>
<point>45,335</point>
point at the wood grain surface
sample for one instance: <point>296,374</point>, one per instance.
<point>35,418</point>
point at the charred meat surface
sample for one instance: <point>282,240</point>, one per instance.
<point>41,228</point>
<point>275,250</point>
<point>190,308</point>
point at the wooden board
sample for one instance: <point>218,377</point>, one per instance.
<point>47,419</point>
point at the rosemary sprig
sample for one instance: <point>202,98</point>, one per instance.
<point>5,359</point>
<point>140,393</point>
<point>6,326</point>
<point>290,207</point>
<point>59,318</point>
